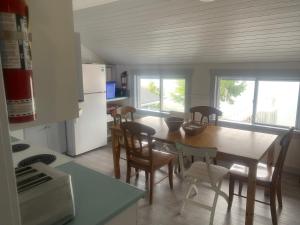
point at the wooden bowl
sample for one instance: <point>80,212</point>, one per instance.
<point>174,123</point>
<point>193,128</point>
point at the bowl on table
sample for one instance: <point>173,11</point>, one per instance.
<point>193,128</point>
<point>174,123</point>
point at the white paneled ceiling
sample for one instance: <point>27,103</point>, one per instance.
<point>190,31</point>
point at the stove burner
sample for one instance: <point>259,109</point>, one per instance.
<point>20,147</point>
<point>43,158</point>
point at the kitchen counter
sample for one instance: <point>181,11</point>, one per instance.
<point>98,198</point>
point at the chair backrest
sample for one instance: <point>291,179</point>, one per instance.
<point>123,113</point>
<point>187,150</point>
<point>117,117</point>
<point>182,115</point>
<point>134,133</point>
<point>284,146</point>
<point>206,112</point>
<point>127,111</point>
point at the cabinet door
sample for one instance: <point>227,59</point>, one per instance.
<point>53,60</point>
<point>37,135</point>
<point>52,136</point>
<point>56,137</point>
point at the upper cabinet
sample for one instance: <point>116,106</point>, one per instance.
<point>54,61</point>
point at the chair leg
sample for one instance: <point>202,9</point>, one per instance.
<point>212,214</point>
<point>231,192</point>
<point>170,166</point>
<point>136,173</point>
<point>151,187</point>
<point>273,206</point>
<point>176,165</point>
<point>279,195</point>
<point>179,166</point>
<point>128,174</point>
<point>240,188</point>
<point>147,175</point>
<point>215,161</point>
<point>191,188</point>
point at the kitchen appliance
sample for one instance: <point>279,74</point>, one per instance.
<point>19,147</point>
<point>43,158</point>
<point>45,195</point>
<point>89,131</point>
<point>35,153</point>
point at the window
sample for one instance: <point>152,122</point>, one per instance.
<point>236,99</point>
<point>258,101</point>
<point>173,95</point>
<point>161,94</point>
<point>149,94</point>
<point>277,103</point>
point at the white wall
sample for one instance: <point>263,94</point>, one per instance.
<point>201,89</point>
<point>9,205</point>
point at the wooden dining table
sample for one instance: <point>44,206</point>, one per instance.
<point>234,145</point>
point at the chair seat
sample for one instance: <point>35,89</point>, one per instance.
<point>202,173</point>
<point>159,159</point>
<point>263,173</point>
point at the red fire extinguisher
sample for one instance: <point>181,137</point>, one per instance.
<point>16,60</point>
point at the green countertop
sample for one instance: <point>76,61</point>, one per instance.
<point>98,198</point>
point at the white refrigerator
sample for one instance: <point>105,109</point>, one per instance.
<point>89,131</point>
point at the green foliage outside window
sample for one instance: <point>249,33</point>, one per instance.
<point>179,93</point>
<point>229,89</point>
<point>152,88</point>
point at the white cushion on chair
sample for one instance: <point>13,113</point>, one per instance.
<point>202,173</point>
<point>263,172</point>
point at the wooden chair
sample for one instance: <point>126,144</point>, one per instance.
<point>202,173</point>
<point>123,113</point>
<point>206,112</point>
<point>171,148</point>
<point>144,158</point>
<point>269,178</point>
<point>128,111</point>
<point>119,116</point>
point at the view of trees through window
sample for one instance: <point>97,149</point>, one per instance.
<point>276,103</point>
<point>236,100</point>
<point>170,98</point>
<point>149,94</point>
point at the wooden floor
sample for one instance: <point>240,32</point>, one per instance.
<point>165,208</point>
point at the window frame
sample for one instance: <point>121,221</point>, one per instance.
<point>256,76</point>
<point>161,77</point>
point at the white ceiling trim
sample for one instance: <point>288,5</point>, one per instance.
<point>83,4</point>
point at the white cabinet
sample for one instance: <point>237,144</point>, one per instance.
<point>52,136</point>
<point>54,61</point>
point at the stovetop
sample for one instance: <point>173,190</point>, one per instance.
<point>34,150</point>
<point>43,158</point>
<point>20,147</point>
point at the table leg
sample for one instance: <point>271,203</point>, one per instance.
<point>251,194</point>
<point>116,154</point>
